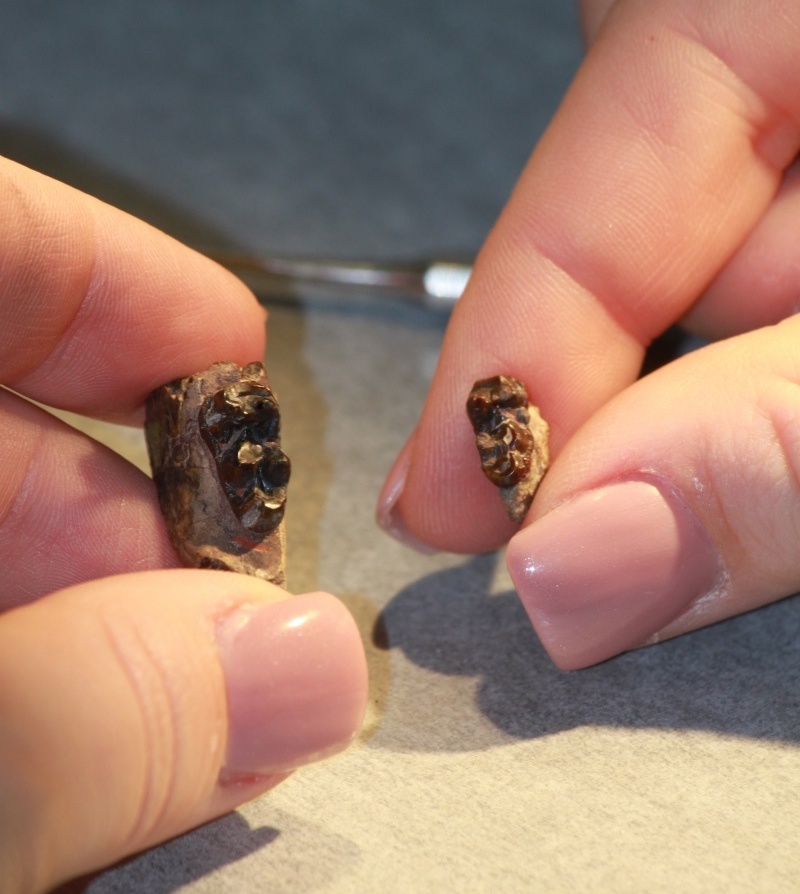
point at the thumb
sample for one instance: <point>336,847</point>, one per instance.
<point>675,506</point>
<point>136,707</point>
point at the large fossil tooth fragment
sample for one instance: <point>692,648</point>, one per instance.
<point>512,440</point>
<point>221,476</point>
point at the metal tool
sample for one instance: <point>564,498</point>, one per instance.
<point>435,284</point>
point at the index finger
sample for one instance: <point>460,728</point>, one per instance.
<point>665,152</point>
<point>97,308</point>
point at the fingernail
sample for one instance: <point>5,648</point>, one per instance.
<point>296,682</point>
<point>604,572</point>
<point>388,514</point>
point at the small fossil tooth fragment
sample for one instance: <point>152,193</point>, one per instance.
<point>220,473</point>
<point>512,440</point>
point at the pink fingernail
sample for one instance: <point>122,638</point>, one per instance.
<point>604,572</point>
<point>387,514</point>
<point>296,682</point>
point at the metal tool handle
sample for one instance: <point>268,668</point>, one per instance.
<point>436,284</point>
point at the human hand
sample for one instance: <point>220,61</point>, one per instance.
<point>665,189</point>
<point>132,706</point>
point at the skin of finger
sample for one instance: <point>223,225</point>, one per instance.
<point>760,284</point>
<point>98,308</point>
<point>665,153</point>
<point>592,14</point>
<point>736,466</point>
<point>114,728</point>
<point>70,509</point>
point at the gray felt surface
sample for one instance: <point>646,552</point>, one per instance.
<point>395,130</point>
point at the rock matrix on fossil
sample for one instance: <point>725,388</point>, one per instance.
<point>221,476</point>
<point>512,440</point>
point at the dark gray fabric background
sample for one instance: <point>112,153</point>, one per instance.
<point>397,130</point>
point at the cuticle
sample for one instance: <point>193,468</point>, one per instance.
<point>645,476</point>
<point>234,779</point>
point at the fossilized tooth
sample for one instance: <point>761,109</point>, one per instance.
<point>512,440</point>
<point>221,476</point>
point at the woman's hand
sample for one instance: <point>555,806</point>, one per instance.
<point>132,706</point>
<point>664,190</point>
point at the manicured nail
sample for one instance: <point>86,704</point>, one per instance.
<point>604,572</point>
<point>296,682</point>
<point>388,514</point>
